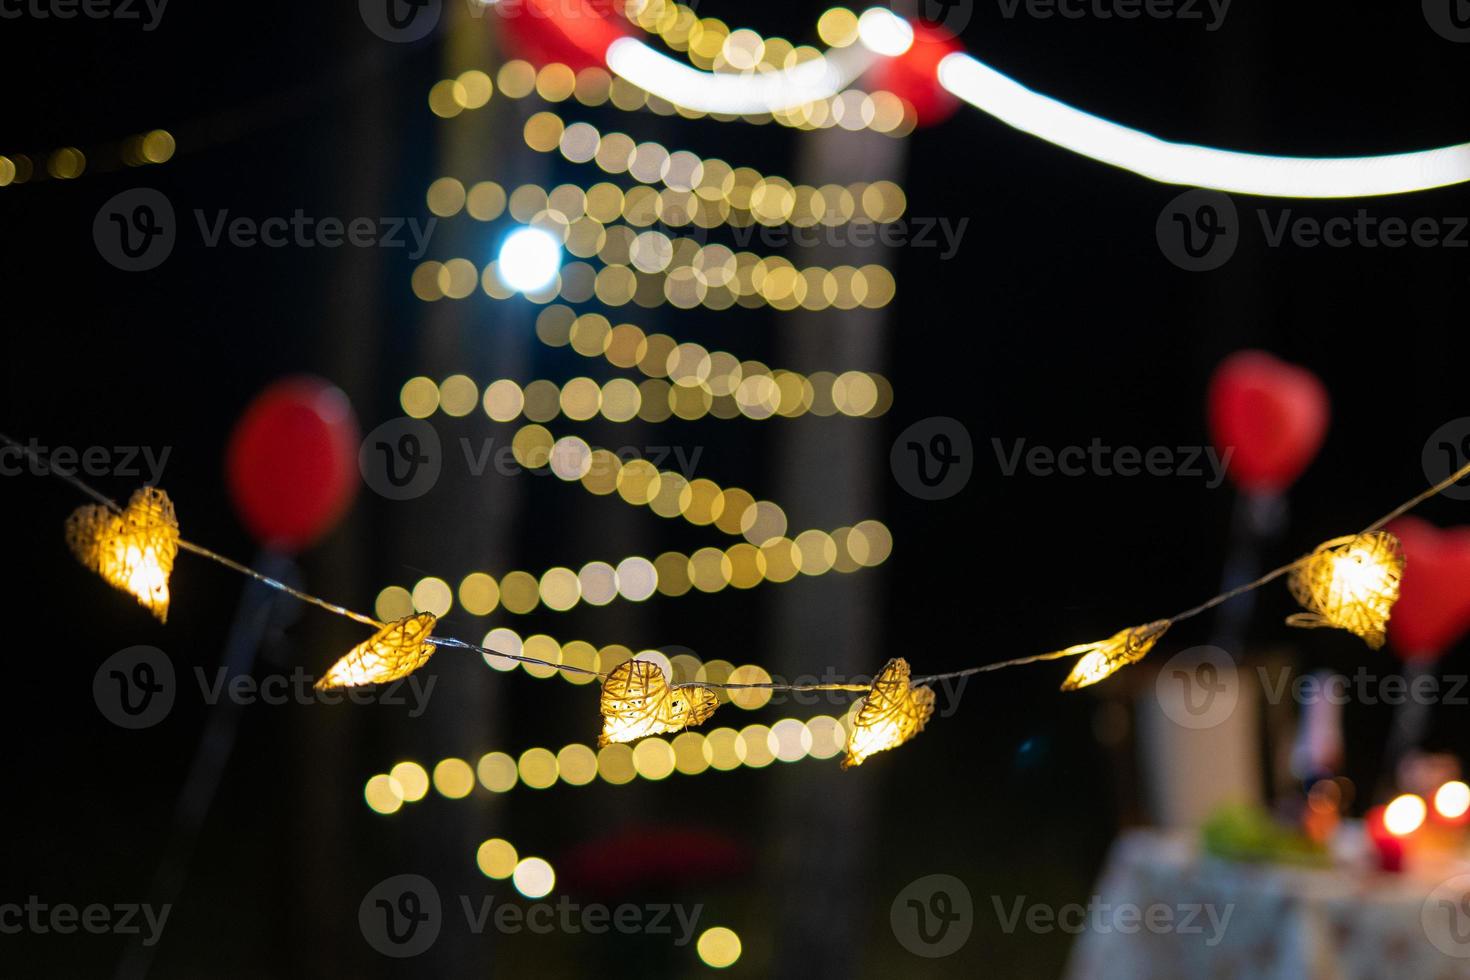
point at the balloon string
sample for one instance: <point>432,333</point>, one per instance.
<point>452,642</point>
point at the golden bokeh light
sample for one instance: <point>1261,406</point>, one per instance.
<point>538,768</point>
<point>432,595</point>
<point>497,858</point>
<point>383,794</point>
<point>497,772</point>
<point>718,947</point>
<point>412,780</point>
<point>394,602</point>
<point>454,778</point>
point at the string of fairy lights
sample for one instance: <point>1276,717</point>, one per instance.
<point>635,578</point>
<point>877,111</point>
<point>683,380</point>
<point>154,147</point>
<point>623,253</point>
<point>738,390</point>
<point>1349,582</point>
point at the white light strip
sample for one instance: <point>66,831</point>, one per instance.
<point>732,94</point>
<point>1197,166</point>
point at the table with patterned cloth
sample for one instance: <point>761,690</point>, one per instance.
<point>1165,910</point>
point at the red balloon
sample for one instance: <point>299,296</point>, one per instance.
<point>914,75</point>
<point>573,32</point>
<point>1433,610</point>
<point>1271,416</point>
<point>291,464</point>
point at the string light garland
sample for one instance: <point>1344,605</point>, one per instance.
<point>884,37</point>
<point>1099,660</point>
<point>394,652</point>
<point>692,392</point>
<point>687,274</point>
<point>154,147</point>
<point>132,549</point>
<point>745,565</point>
<point>556,82</point>
<point>698,385</point>
<point>689,753</point>
<point>719,386</point>
<point>637,700</point>
<point>1350,583</point>
<point>892,712</point>
<point>1357,576</point>
<point>738,197</point>
<point>721,373</point>
<point>695,182</point>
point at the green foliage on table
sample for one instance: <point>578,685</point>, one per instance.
<point>1241,832</point>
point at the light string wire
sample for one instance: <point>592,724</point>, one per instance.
<point>197,549</point>
<point>458,644</point>
<point>1223,597</point>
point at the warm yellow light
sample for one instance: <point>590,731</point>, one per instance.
<point>134,550</point>
<point>892,713</point>
<point>538,768</point>
<point>1404,815</point>
<point>1350,583</point>
<point>412,781</point>
<point>454,778</point>
<point>158,146</point>
<point>1101,659</point>
<point>637,701</point>
<point>497,858</point>
<point>395,651</point>
<point>497,772</point>
<point>1452,799</point>
<point>718,947</point>
<point>534,877</point>
<point>432,595</point>
<point>576,765</point>
<point>383,794</point>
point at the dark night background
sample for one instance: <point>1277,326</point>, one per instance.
<point>1058,321</point>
